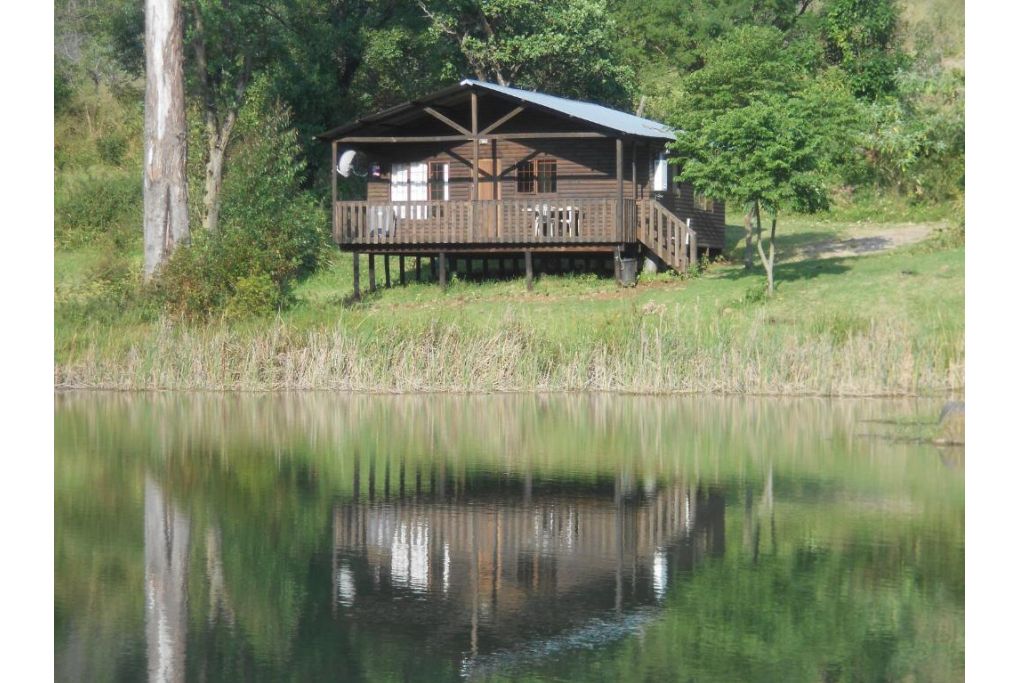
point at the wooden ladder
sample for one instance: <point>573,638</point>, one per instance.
<point>667,236</point>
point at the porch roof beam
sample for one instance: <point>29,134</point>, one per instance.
<point>448,121</point>
<point>501,121</point>
<point>468,138</point>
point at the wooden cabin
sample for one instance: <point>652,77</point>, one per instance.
<point>483,171</point>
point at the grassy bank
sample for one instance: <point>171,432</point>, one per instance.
<point>883,324</point>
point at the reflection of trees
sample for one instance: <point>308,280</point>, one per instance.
<point>261,479</point>
<point>167,549</point>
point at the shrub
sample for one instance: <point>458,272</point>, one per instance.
<point>111,148</point>
<point>271,230</point>
<point>110,286</point>
<point>253,295</point>
<point>93,205</point>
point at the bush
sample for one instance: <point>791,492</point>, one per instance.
<point>271,231</point>
<point>94,205</point>
<point>111,148</point>
<point>253,295</point>
<point>110,287</point>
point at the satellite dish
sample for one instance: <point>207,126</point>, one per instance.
<point>352,161</point>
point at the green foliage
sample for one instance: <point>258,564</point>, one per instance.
<point>111,148</point>
<point>110,287</point>
<point>96,205</point>
<point>916,144</point>
<point>859,36</point>
<point>565,47</point>
<point>758,126</point>
<point>253,295</point>
<point>271,230</point>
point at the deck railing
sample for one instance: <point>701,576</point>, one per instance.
<point>493,221</point>
<point>668,236</point>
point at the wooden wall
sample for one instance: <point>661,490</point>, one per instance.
<point>586,167</point>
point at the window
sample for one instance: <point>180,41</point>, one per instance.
<point>409,183</point>
<point>661,174</point>
<point>703,202</point>
<point>537,176</point>
<point>525,177</point>
<point>438,181</point>
<point>546,175</point>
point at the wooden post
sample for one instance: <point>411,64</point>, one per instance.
<point>417,268</point>
<point>403,274</point>
<point>442,269</point>
<point>693,246</point>
<point>357,276</point>
<point>529,267</point>
<point>333,174</point>
<point>633,169</point>
<point>386,267</point>
<point>474,135</point>
<point>371,272</point>
<point>619,188</point>
<point>618,259</point>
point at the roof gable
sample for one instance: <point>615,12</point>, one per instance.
<point>597,114</point>
<point>587,112</point>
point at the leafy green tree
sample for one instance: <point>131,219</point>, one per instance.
<point>760,128</point>
<point>738,70</point>
<point>229,44</point>
<point>561,46</point>
<point>860,37</point>
<point>272,229</point>
<point>658,36</point>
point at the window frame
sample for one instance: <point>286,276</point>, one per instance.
<point>435,181</point>
<point>532,175</point>
<point>526,177</point>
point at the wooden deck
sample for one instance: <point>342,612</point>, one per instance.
<point>554,223</point>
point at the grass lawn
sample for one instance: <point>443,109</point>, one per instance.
<point>887,323</point>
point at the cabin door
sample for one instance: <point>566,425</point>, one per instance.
<point>488,189</point>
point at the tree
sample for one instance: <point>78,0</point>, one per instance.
<point>767,138</point>
<point>747,64</point>
<point>165,181</point>
<point>229,43</point>
<point>560,46</point>
<point>860,37</point>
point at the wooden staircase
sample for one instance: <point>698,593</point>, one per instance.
<point>666,235</point>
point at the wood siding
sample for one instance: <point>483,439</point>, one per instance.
<point>585,169</point>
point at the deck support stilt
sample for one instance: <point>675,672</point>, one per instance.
<point>371,273</point>
<point>357,276</point>
<point>442,269</point>
<point>403,272</point>
<point>389,282</point>
<point>417,268</point>
<point>617,258</point>
<point>529,267</point>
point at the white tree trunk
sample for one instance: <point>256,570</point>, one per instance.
<point>165,177</point>
<point>167,549</point>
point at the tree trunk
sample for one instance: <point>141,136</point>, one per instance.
<point>769,259</point>
<point>167,538</point>
<point>217,141</point>
<point>748,250</point>
<point>165,174</point>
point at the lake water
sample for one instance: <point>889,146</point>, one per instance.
<point>582,537</point>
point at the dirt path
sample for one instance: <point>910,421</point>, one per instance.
<point>869,239</point>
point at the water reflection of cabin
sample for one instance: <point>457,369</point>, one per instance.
<point>481,171</point>
<point>496,563</point>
